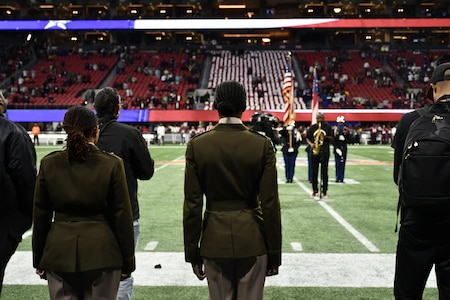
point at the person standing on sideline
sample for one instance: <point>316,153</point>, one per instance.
<point>290,140</point>
<point>83,227</point>
<point>36,130</point>
<point>341,138</point>
<point>424,238</point>
<point>373,133</point>
<point>319,136</point>
<point>128,143</point>
<point>161,133</point>
<point>240,232</point>
<point>17,180</point>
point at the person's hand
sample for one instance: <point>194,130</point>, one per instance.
<point>124,276</point>
<point>272,271</point>
<point>41,273</point>
<point>198,270</point>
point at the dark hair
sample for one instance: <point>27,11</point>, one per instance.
<point>79,124</point>
<point>106,101</point>
<point>230,99</point>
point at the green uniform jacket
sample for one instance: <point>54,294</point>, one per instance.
<point>93,224</point>
<point>235,169</point>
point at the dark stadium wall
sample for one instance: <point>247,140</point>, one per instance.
<point>138,116</point>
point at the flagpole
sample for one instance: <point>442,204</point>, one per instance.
<point>292,112</point>
<point>289,117</point>
<point>315,100</point>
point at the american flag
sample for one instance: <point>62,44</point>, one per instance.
<point>288,95</point>
<point>315,99</point>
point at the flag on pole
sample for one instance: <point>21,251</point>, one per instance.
<point>315,99</point>
<point>288,95</point>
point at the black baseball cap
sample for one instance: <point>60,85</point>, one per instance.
<point>438,76</point>
<point>439,73</point>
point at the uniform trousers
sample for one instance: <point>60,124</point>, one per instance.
<point>340,161</point>
<point>289,166</point>
<point>91,285</point>
<point>236,278</point>
<point>322,162</point>
<point>125,291</point>
<point>420,246</point>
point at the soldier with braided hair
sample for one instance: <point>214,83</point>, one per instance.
<point>239,235</point>
<point>83,225</point>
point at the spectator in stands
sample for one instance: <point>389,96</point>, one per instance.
<point>17,180</point>
<point>36,130</point>
<point>127,142</point>
<point>74,226</point>
<point>239,243</point>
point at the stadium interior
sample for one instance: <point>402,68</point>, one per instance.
<point>167,70</point>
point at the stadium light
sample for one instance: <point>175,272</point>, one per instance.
<point>232,6</point>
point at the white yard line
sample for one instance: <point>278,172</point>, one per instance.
<point>297,270</point>
<point>359,236</point>
<point>151,246</point>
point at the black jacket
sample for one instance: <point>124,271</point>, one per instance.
<point>127,142</point>
<point>17,178</point>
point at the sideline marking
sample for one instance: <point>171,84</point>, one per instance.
<point>171,162</point>
<point>296,246</point>
<point>297,270</point>
<point>151,246</point>
<point>27,234</point>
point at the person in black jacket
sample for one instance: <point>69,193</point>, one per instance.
<point>319,136</point>
<point>128,143</point>
<point>17,181</point>
<point>423,239</point>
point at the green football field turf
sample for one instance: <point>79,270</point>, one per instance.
<point>340,248</point>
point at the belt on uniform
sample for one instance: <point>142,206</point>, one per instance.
<point>62,217</point>
<point>229,205</point>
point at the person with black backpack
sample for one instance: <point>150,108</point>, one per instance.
<point>422,173</point>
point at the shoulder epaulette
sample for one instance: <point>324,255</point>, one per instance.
<point>110,153</point>
<point>53,152</point>
<point>198,134</point>
<point>260,133</point>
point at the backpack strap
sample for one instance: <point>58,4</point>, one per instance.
<point>421,111</point>
<point>399,204</point>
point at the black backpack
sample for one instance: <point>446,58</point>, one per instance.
<point>424,178</point>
